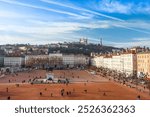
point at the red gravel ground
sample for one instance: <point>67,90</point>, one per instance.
<point>97,88</point>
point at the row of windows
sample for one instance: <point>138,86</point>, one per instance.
<point>143,56</point>
<point>12,62</point>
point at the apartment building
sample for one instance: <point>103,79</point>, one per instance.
<point>56,60</point>
<point>97,61</point>
<point>14,61</point>
<point>94,61</point>
<point>81,60</point>
<point>129,63</point>
<point>36,60</point>
<point>125,62</point>
<point>1,58</point>
<point>116,63</point>
<point>69,60</point>
<point>143,64</point>
<point>108,62</point>
<point>1,61</point>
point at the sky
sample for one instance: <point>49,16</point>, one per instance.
<point>120,23</point>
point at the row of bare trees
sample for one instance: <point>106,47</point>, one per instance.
<point>130,80</point>
<point>42,62</point>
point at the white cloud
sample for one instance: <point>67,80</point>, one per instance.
<point>123,7</point>
<point>13,39</point>
<point>38,29</point>
<point>37,39</point>
<point>10,14</point>
<point>49,28</point>
<point>138,24</point>
<point>44,30</point>
<point>114,7</point>
<point>45,8</point>
<point>143,26</point>
<point>82,10</point>
<point>139,42</point>
<point>141,39</point>
<point>62,31</point>
<point>142,7</point>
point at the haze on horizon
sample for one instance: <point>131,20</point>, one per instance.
<point>121,23</point>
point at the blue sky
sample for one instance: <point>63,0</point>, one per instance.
<point>121,23</point>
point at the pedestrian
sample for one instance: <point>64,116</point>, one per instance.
<point>40,93</point>
<point>138,97</point>
<point>8,98</point>
<point>7,89</point>
<point>51,94</point>
<point>85,91</point>
<point>17,85</point>
<point>62,92</point>
<point>104,94</point>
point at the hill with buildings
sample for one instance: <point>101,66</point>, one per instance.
<point>81,47</point>
<point>85,49</point>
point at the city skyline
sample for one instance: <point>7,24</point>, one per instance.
<point>120,23</point>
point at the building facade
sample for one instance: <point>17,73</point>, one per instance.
<point>56,60</point>
<point>143,64</point>
<point>108,62</point>
<point>125,62</point>
<point>1,61</point>
<point>14,61</point>
<point>83,41</point>
<point>97,61</point>
<point>69,60</point>
<point>81,60</point>
<point>116,63</point>
<point>129,63</point>
<point>38,61</point>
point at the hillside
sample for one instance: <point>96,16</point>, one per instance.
<point>83,49</point>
